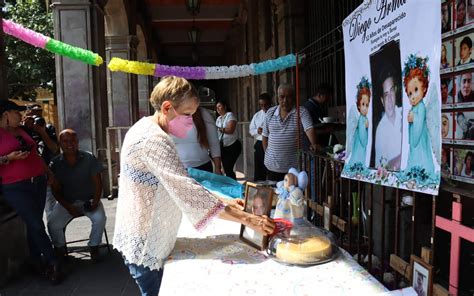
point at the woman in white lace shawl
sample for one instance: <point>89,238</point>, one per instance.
<point>155,190</point>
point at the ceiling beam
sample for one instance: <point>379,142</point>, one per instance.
<point>203,2</point>
<point>180,24</point>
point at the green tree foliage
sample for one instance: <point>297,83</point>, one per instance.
<point>28,67</point>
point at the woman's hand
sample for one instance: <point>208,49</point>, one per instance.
<point>262,224</point>
<point>17,155</point>
<point>236,203</point>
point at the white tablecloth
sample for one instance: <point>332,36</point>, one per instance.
<point>216,262</point>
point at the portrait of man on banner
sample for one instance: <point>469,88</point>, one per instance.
<point>387,108</point>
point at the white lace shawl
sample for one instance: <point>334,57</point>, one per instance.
<point>154,190</point>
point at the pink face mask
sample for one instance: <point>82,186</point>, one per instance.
<point>180,125</point>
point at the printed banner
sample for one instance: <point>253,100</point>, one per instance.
<point>392,57</point>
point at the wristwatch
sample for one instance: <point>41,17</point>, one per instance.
<point>3,159</point>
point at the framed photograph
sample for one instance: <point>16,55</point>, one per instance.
<point>447,92</point>
<point>460,12</point>
<point>464,95</point>
<point>446,55</point>
<point>446,19</point>
<point>470,11</point>
<point>447,127</point>
<point>464,128</point>
<point>462,165</point>
<point>446,161</point>
<point>258,201</point>
<point>463,51</point>
<point>421,276</point>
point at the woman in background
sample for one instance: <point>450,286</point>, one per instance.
<point>231,147</point>
<point>200,141</point>
<point>23,180</point>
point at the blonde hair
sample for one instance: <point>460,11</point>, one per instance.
<point>174,89</point>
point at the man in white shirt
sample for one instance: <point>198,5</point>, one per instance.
<point>388,136</point>
<point>255,129</point>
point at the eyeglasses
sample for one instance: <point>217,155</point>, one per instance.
<point>392,91</point>
<point>466,80</point>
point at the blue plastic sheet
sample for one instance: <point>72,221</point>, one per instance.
<point>217,183</point>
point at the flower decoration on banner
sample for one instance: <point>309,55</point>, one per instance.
<point>364,83</point>
<point>39,40</point>
<point>198,73</point>
<point>416,62</point>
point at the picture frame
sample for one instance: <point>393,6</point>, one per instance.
<point>258,201</point>
<point>421,278</point>
<point>463,122</point>
<point>462,163</point>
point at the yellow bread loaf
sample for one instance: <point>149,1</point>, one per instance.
<point>308,251</point>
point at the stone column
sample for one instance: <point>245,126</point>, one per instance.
<point>122,90</point>
<point>80,88</point>
<point>3,68</point>
<point>144,85</point>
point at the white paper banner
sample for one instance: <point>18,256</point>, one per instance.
<point>392,57</point>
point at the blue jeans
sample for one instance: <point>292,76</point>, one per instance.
<point>27,198</point>
<point>60,217</point>
<point>149,281</point>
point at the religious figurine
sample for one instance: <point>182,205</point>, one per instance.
<point>290,203</point>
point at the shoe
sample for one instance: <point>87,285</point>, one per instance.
<point>38,267</point>
<point>94,251</point>
<point>60,252</point>
<point>54,275</point>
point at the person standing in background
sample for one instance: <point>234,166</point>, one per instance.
<point>317,107</point>
<point>255,130</point>
<point>231,147</point>
<point>200,140</point>
<point>44,134</point>
<point>280,134</point>
<point>24,176</point>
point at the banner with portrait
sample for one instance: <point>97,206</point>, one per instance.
<point>392,58</point>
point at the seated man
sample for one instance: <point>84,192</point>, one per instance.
<point>77,187</point>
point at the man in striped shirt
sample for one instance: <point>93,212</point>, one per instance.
<point>280,134</point>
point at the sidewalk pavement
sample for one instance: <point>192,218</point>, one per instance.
<point>82,277</point>
<point>109,277</point>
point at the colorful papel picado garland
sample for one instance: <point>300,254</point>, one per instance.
<point>140,68</point>
<point>217,72</point>
<point>52,45</point>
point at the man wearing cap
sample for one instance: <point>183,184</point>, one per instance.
<point>23,177</point>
